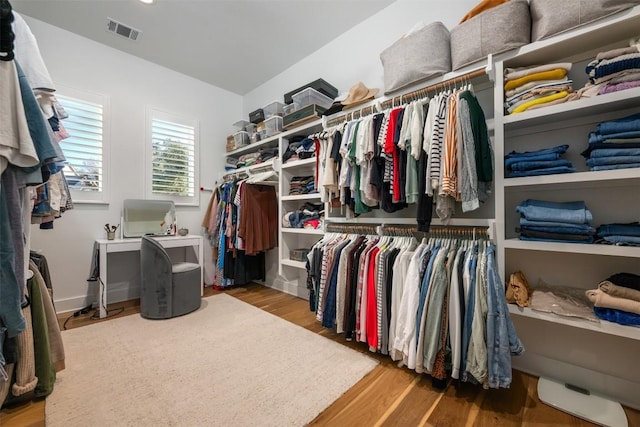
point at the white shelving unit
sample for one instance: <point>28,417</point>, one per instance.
<point>290,275</point>
<point>293,274</point>
<point>571,351</point>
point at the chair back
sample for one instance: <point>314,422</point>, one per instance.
<point>156,290</point>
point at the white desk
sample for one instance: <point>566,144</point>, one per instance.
<point>133,245</point>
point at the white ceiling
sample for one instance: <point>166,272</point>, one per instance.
<point>233,44</point>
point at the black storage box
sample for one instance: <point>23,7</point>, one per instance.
<point>319,85</point>
<point>301,116</point>
<point>256,116</point>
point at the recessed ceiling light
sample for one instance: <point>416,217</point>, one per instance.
<point>147,1</point>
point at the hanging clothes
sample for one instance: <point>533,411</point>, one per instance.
<point>437,307</point>
<point>242,224</point>
<point>435,153</point>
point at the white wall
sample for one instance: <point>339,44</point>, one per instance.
<point>355,55</point>
<point>131,84</point>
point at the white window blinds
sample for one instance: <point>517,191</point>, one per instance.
<point>83,149</point>
<point>173,158</point>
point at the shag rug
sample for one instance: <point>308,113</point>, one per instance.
<point>228,364</point>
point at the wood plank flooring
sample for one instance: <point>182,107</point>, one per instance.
<point>387,396</point>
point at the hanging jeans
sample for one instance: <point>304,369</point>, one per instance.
<point>502,339</point>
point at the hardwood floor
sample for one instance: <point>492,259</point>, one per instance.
<point>388,396</point>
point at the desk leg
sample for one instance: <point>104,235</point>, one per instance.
<point>102,283</point>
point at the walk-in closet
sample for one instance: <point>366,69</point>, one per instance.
<point>364,212</point>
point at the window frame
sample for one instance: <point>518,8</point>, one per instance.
<point>79,95</point>
<point>152,114</point>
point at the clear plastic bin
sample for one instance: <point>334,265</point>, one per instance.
<point>289,108</point>
<point>241,138</point>
<point>273,109</point>
<point>273,125</point>
<point>240,124</point>
<point>251,127</point>
<point>311,96</point>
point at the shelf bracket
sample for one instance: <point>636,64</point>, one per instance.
<point>490,69</point>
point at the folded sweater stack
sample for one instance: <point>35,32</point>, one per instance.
<point>612,71</point>
<point>302,185</point>
<point>528,88</point>
<point>568,222</point>
<point>546,161</point>
<point>617,299</point>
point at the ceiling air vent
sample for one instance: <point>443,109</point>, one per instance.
<point>122,30</point>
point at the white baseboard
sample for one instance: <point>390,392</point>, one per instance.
<point>290,287</point>
<point>76,303</point>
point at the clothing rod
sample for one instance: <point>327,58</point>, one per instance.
<point>419,93</point>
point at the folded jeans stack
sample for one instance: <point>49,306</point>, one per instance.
<point>546,161</point>
<point>617,299</point>
<point>568,222</point>
<point>614,144</point>
<point>619,234</point>
<point>528,88</point>
<point>612,71</point>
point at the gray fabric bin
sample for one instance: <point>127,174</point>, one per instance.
<point>497,30</point>
<point>550,17</point>
<point>417,56</point>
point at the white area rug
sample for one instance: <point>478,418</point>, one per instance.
<point>227,364</point>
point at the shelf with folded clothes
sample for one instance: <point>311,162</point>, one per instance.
<point>269,142</point>
<point>584,216</point>
<point>602,326</point>
<point>255,166</point>
<point>565,254</point>
<point>590,179</point>
<point>577,248</point>
<point>600,104</point>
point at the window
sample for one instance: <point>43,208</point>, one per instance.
<point>172,158</point>
<point>84,148</point>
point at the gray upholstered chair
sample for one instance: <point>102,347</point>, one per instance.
<point>167,290</point>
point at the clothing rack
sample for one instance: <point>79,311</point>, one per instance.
<point>333,227</point>
<point>435,231</point>
<point>410,96</point>
<point>421,93</point>
<point>459,232</point>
